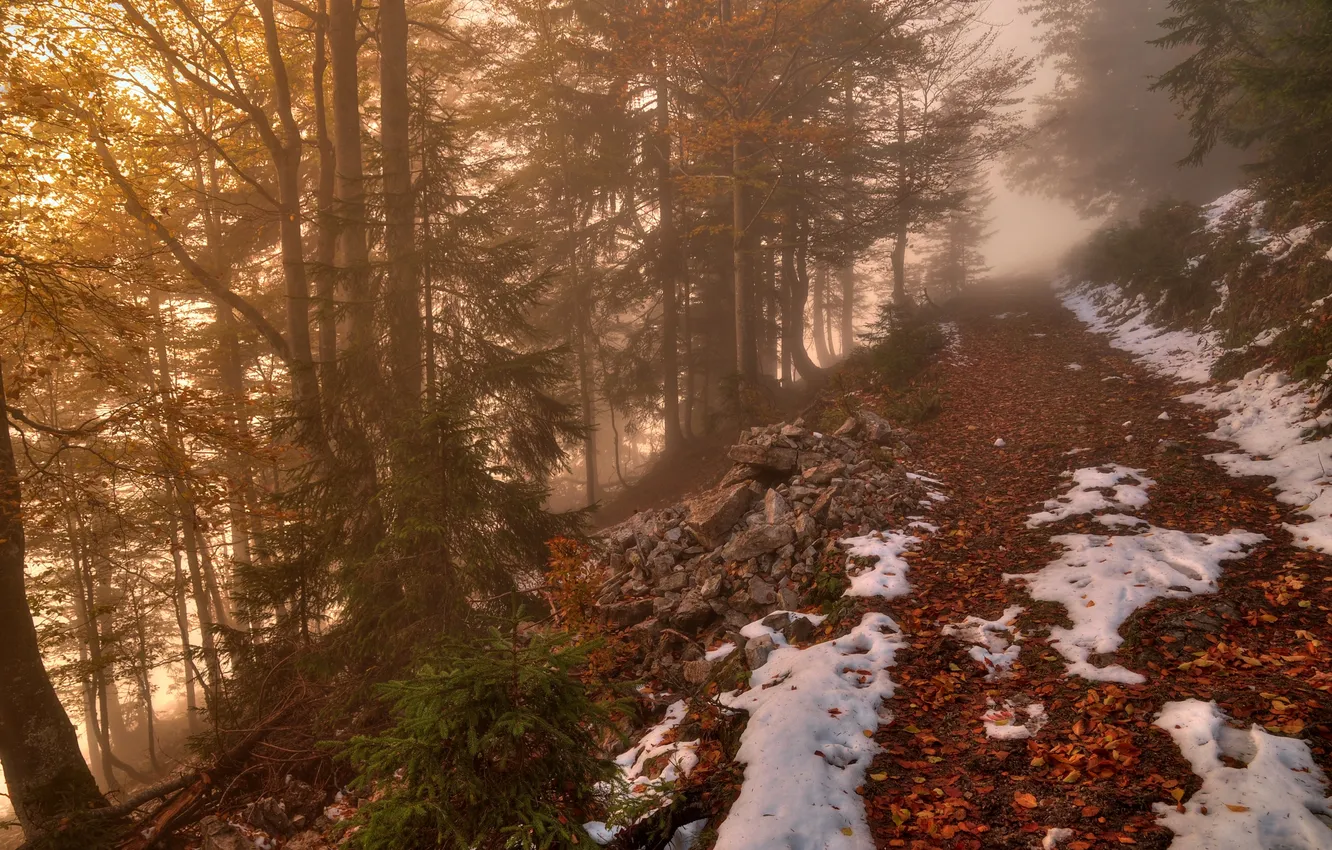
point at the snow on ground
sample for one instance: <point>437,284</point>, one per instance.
<point>994,642</point>
<point>1268,419</point>
<point>1102,580</point>
<point>1267,416</point>
<point>887,576</point>
<point>1179,354</point>
<point>1005,722</point>
<point>1277,799</point>
<point>1054,836</point>
<point>651,765</point>
<point>1128,491</point>
<point>809,741</point>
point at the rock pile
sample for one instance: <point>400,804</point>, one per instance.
<point>690,574</point>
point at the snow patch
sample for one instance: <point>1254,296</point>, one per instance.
<point>1274,801</point>
<point>994,641</point>
<point>1128,488</point>
<point>1002,721</point>
<point>887,576</point>
<point>1177,354</point>
<point>1054,836</point>
<point>809,741</point>
<point>1102,580</point>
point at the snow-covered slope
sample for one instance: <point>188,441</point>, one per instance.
<point>1271,419</point>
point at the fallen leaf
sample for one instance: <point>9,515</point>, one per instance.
<point>1025,800</point>
<point>1237,808</point>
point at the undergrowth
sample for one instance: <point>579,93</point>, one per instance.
<point>495,744</point>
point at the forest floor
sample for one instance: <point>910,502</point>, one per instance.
<point>1023,370</point>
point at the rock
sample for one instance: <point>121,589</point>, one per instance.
<point>775,508</point>
<point>796,628</point>
<point>824,473</point>
<point>220,835</point>
<point>674,581</point>
<point>712,514</point>
<point>621,615</point>
<point>694,613</point>
<point>697,672</point>
<point>267,814</point>
<point>758,541</point>
<point>805,527</point>
<point>757,651</point>
<point>301,799</point>
<point>822,506</point>
<point>847,428</point>
<point>712,586</point>
<point>877,429</point>
<point>1169,447</point>
<point>788,597</point>
<point>792,431</point>
<point>308,840</point>
<point>739,474</point>
<point>761,592</point>
<point>774,458</point>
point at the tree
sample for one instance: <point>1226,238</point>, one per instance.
<point>1105,139</point>
<point>1256,76</point>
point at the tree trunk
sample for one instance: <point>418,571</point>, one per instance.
<point>587,400</point>
<point>287,162</point>
<point>746,355</point>
<point>402,296</point>
<point>46,775</point>
<point>817,322</point>
<point>183,624</point>
<point>689,364</point>
<point>796,289</point>
<point>668,268</point>
<point>326,222</point>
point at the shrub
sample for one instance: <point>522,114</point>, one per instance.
<point>902,344</point>
<point>495,745</point>
<point>1156,256</point>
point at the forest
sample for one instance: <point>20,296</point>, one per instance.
<point>329,328</point>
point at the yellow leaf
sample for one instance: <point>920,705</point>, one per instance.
<point>869,733</point>
<point>878,777</point>
<point>846,830</point>
<point>1237,808</point>
<point>1025,800</point>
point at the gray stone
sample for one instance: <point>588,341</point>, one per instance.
<point>824,473</point>
<point>694,613</point>
<point>757,651</point>
<point>758,541</point>
<point>822,506</point>
<point>761,592</point>
<point>697,672</point>
<point>847,428</point>
<point>220,835</point>
<point>268,815</point>
<point>712,514</point>
<point>805,527</point>
<point>674,581</point>
<point>775,458</point>
<point>301,799</point>
<point>775,508</point>
<point>788,597</point>
<point>877,429</point>
<point>621,615</point>
<point>792,431</point>
<point>739,474</point>
<point>712,586</point>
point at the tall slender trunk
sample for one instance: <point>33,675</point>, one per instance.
<point>183,624</point>
<point>326,222</point>
<point>686,332</point>
<point>668,268</point>
<point>746,356</point>
<point>46,775</point>
<point>286,157</point>
<point>587,400</point>
<point>402,295</point>
<point>900,297</point>
<point>349,191</point>
<point>846,271</point>
<point>819,296</point>
<point>221,610</point>
<point>796,289</point>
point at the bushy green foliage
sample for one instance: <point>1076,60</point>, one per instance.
<point>902,343</point>
<point>1156,256</point>
<point>496,744</point>
<point>1258,74</point>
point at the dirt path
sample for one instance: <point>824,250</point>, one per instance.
<point>1259,647</point>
